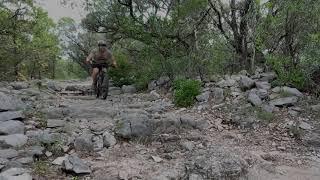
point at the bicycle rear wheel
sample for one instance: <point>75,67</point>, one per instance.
<point>105,86</point>
<point>99,85</point>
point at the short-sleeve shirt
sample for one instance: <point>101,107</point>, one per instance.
<point>101,57</point>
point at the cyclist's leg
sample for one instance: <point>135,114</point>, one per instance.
<point>95,72</point>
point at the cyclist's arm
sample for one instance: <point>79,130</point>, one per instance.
<point>90,57</point>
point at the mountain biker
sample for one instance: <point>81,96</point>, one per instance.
<point>100,58</point>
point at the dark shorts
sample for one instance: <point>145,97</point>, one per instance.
<point>99,66</point>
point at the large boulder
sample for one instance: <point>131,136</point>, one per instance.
<point>292,91</point>
<point>226,83</point>
<point>108,140</point>
<point>75,164</point>
<point>130,89</point>
<point>20,85</point>
<point>84,143</point>
<point>13,140</point>
<point>204,97</point>
<point>268,76</point>
<point>10,103</point>
<point>254,98</point>
<point>217,163</point>
<point>287,101</point>
<point>8,153</point>
<point>132,125</point>
<point>246,83</point>
<point>54,86</point>
<point>11,115</point>
<point>16,174</point>
<point>217,95</point>
<point>263,85</point>
<point>11,127</point>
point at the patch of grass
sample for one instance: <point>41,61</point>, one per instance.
<point>39,116</point>
<point>41,168</point>
<point>264,115</point>
<point>295,131</point>
<point>186,91</point>
<point>55,148</point>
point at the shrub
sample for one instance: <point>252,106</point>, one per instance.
<point>185,92</point>
<point>123,74</point>
<point>288,74</point>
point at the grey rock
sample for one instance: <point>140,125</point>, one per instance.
<point>226,83</point>
<point>10,103</point>
<point>25,160</point>
<point>130,89</point>
<point>263,85</point>
<point>204,97</point>
<point>217,95</point>
<point>268,108</point>
<point>16,174</point>
<point>163,80</point>
<point>11,115</point>
<point>316,108</point>
<point>13,140</point>
<point>54,86</point>
<point>109,140</point>
<point>11,127</point>
<point>254,99</point>
<point>293,113</point>
<point>97,143</point>
<point>53,123</point>
<point>292,91</point>
<point>305,126</point>
<point>76,165</point>
<point>133,125</point>
<point>288,101</point>
<point>56,113</point>
<point>8,153</point>
<point>244,73</point>
<point>59,160</point>
<point>218,163</point>
<point>20,85</point>
<point>246,83</point>
<point>84,143</point>
<point>262,93</point>
<point>152,96</point>
<point>44,137</point>
<point>113,91</point>
<point>269,76</point>
<point>152,85</point>
<point>34,151</point>
<point>311,138</point>
<point>276,89</point>
<point>195,177</point>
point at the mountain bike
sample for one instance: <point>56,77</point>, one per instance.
<point>102,82</point>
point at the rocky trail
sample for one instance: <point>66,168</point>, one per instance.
<point>240,128</point>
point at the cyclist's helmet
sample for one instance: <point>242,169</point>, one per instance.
<point>102,43</point>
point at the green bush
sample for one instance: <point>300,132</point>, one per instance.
<point>123,74</point>
<point>185,92</point>
<point>288,74</point>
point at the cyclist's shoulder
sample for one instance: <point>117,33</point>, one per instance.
<point>94,50</point>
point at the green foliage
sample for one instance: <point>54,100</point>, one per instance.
<point>185,92</point>
<point>287,73</point>
<point>29,48</point>
<point>67,69</point>
<point>122,75</point>
<point>41,168</point>
<point>264,115</point>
